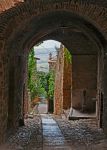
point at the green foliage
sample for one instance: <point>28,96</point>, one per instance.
<point>39,83</point>
<point>32,74</point>
<point>36,80</point>
<point>67,55</point>
<point>51,83</point>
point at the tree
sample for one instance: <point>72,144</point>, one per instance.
<point>32,74</point>
<point>51,82</point>
<point>39,83</point>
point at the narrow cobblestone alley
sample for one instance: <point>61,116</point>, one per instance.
<point>34,112</point>
<point>52,136</point>
<point>49,132</point>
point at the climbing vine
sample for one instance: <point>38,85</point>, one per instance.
<point>32,74</point>
<point>67,55</point>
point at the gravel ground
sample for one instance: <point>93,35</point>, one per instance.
<point>28,137</point>
<point>78,135</point>
<point>82,134</point>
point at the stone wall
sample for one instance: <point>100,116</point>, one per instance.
<point>105,97</point>
<point>83,74</point>
<point>58,94</point>
<point>67,77</point>
<point>26,93</point>
<point>26,103</point>
<point>3,92</point>
<point>6,4</point>
<point>84,78</point>
<point>62,96</point>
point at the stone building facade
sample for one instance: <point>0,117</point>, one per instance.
<point>52,62</point>
<point>75,82</point>
<point>80,25</point>
<point>62,91</point>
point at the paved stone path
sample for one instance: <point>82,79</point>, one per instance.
<point>53,138</point>
<point>43,108</point>
<point>49,132</point>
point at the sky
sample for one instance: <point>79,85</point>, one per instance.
<point>42,51</point>
<point>48,44</point>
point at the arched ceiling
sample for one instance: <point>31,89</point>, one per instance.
<point>60,25</point>
<point>7,4</point>
<point>32,21</point>
<point>75,41</point>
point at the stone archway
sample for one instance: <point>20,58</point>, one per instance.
<point>30,22</point>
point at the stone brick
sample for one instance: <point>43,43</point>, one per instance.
<point>22,25</point>
<point>67,81</point>
<point>62,96</point>
<point>58,94</point>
